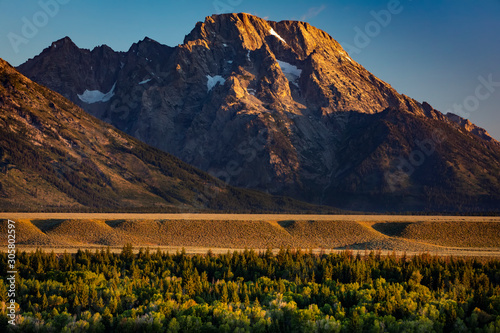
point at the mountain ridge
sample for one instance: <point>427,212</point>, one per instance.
<point>272,106</point>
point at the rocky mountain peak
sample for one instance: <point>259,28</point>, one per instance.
<point>252,32</point>
<point>245,29</point>
<point>144,43</point>
<point>65,42</point>
<point>275,106</point>
<point>65,50</point>
<point>147,47</point>
<point>102,50</point>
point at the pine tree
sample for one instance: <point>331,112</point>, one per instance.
<point>225,297</point>
<point>234,297</point>
<point>76,303</point>
<point>45,302</point>
<point>99,305</point>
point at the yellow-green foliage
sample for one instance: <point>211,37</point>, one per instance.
<point>292,291</point>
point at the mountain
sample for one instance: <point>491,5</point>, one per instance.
<point>55,156</point>
<point>281,107</point>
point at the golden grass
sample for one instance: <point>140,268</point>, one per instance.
<point>460,234</point>
<point>329,234</point>
<point>28,234</point>
<point>433,234</point>
<point>84,232</point>
<point>251,234</point>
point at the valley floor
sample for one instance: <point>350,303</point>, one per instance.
<point>197,233</point>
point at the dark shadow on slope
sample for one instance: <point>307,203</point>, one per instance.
<point>47,225</point>
<point>286,224</point>
<point>391,228</point>
<point>115,223</point>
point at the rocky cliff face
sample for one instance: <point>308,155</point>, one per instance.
<point>274,106</point>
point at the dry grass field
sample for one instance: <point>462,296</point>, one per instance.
<point>445,235</point>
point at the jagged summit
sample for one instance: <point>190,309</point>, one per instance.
<point>66,43</point>
<point>275,106</point>
<point>146,41</point>
<point>253,32</point>
<point>63,42</point>
<point>250,30</point>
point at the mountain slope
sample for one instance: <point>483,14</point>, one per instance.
<point>400,159</point>
<point>54,156</point>
<point>280,107</point>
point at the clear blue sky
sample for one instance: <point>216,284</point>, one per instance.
<point>432,51</point>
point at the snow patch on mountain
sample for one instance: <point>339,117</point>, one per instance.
<point>346,56</point>
<point>213,80</point>
<point>292,73</point>
<point>274,33</point>
<point>95,96</point>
